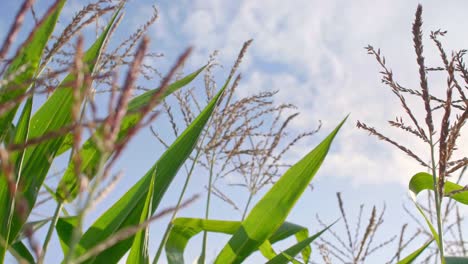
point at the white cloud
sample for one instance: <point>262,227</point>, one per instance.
<point>312,52</point>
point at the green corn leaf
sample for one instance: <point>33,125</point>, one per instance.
<point>64,228</point>
<point>183,229</point>
<point>411,257</point>
<point>38,158</point>
<point>271,211</point>
<point>23,252</point>
<point>285,231</point>
<point>424,181</point>
<point>139,250</point>
<point>20,135</point>
<point>267,250</point>
<point>29,57</point>
<point>127,211</point>
<point>298,231</point>
<point>9,134</point>
<point>291,259</point>
<point>297,248</point>
<point>456,260</point>
<point>90,153</point>
<point>428,222</point>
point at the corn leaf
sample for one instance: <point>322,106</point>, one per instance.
<point>183,229</point>
<point>127,211</point>
<point>23,252</point>
<point>64,228</point>
<point>271,211</point>
<point>424,181</point>
<point>90,153</point>
<point>38,158</point>
<point>139,249</point>
<point>428,222</point>
<point>297,248</point>
<point>20,135</point>
<point>267,250</point>
<point>411,257</point>
<point>298,231</point>
<point>29,57</point>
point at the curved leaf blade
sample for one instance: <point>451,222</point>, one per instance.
<point>296,249</point>
<point>411,257</point>
<point>428,222</point>
<point>139,249</point>
<point>271,211</point>
<point>183,229</point>
<point>64,228</point>
<point>424,181</point>
<point>20,135</point>
<point>23,252</point>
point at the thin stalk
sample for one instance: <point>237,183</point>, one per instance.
<point>181,196</point>
<point>53,223</point>
<point>163,242</point>
<point>201,260</point>
<point>247,205</point>
<point>438,203</point>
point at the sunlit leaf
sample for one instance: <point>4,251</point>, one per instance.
<point>183,229</point>
<point>296,249</point>
<point>127,211</point>
<point>23,251</point>
<point>139,249</point>
<point>64,228</point>
<point>424,181</point>
<point>38,158</point>
<point>411,257</point>
<point>271,211</point>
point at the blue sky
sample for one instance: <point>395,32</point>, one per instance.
<point>312,52</point>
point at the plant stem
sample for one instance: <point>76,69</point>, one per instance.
<point>201,260</point>
<point>247,206</point>
<point>438,203</point>
<point>163,242</point>
<point>53,223</point>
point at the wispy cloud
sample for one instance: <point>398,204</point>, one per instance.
<point>312,52</point>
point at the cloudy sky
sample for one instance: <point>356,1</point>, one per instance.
<point>312,51</point>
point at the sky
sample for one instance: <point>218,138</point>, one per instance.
<point>313,53</point>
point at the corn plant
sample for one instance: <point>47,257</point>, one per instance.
<point>60,74</point>
<point>441,162</point>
